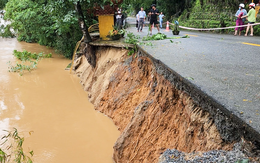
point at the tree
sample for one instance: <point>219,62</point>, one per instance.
<point>49,23</point>
<point>168,7</point>
<point>52,23</point>
<point>82,23</point>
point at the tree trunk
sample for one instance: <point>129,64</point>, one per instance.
<point>89,51</point>
<point>82,23</point>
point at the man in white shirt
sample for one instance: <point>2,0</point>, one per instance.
<point>141,18</point>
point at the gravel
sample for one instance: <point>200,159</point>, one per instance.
<point>214,156</point>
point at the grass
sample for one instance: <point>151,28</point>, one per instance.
<point>13,148</point>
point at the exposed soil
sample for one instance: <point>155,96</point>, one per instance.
<point>151,114</point>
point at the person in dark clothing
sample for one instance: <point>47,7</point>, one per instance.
<point>123,18</point>
<point>119,18</point>
<point>153,20</point>
<point>136,20</point>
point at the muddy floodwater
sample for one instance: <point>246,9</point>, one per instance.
<point>51,103</point>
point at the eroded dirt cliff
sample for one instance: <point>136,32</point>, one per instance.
<point>151,113</point>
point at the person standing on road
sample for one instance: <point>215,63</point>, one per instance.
<point>136,20</point>
<point>141,18</point>
<point>119,18</point>
<point>161,16</point>
<point>240,21</point>
<point>144,20</point>
<point>251,18</point>
<point>154,13</point>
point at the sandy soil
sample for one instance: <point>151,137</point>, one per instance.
<point>151,114</point>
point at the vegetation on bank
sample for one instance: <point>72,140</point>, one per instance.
<point>134,39</point>
<point>11,148</point>
<point>51,23</point>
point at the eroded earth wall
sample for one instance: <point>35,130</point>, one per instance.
<point>151,107</point>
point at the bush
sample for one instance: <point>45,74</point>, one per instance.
<point>6,31</point>
<point>52,23</point>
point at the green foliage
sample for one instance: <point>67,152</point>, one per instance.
<point>212,14</point>
<point>2,3</point>
<point>243,161</point>
<point>145,43</point>
<point>161,36</point>
<point>158,36</point>
<point>131,38</point>
<point>116,31</point>
<point>25,55</point>
<point>133,6</point>
<point>29,61</point>
<point>21,67</point>
<point>51,23</point>
<point>170,8</point>
<point>197,6</point>
<point>132,51</point>
<point>5,31</point>
<point>256,30</point>
<point>13,151</point>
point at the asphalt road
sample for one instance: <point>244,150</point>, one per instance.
<point>225,67</point>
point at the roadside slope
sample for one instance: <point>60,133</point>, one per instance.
<point>152,107</point>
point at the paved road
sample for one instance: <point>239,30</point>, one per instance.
<point>226,67</point>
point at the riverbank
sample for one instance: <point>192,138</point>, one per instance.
<point>170,95</point>
<point>154,108</point>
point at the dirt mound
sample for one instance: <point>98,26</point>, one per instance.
<point>149,111</point>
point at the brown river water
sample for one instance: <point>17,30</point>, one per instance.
<point>51,103</point>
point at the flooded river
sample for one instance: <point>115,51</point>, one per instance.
<point>51,103</point>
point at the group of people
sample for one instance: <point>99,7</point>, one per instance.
<point>242,15</point>
<point>141,15</point>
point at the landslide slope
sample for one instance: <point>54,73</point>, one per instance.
<point>152,114</point>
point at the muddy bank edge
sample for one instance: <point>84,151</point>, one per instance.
<point>155,108</point>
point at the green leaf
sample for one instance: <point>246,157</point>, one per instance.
<point>32,153</point>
